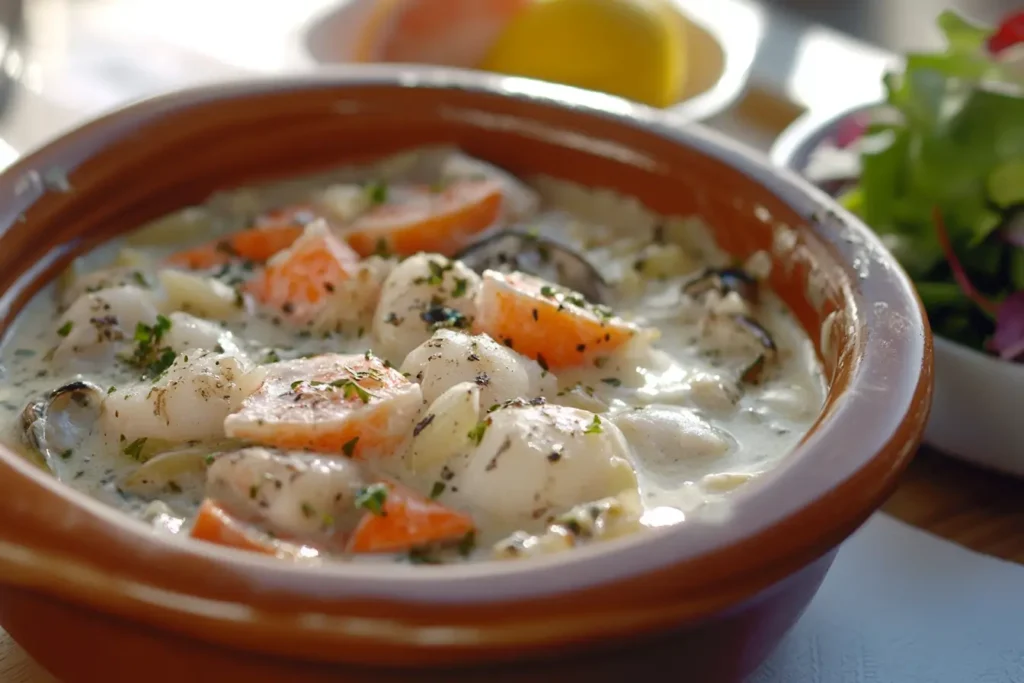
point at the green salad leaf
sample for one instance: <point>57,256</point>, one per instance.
<point>942,171</point>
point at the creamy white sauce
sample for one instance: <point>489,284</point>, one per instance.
<point>694,430</point>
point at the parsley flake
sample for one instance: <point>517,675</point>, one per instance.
<point>134,449</point>
<point>376,192</point>
<point>372,498</point>
<point>594,427</point>
<point>351,389</point>
<point>476,434</point>
<point>467,544</point>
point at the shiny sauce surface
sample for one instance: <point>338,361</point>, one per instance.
<point>423,360</point>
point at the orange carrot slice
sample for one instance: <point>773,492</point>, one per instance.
<point>556,327</point>
<point>351,405</point>
<point>274,232</point>
<point>298,281</point>
<point>418,219</point>
<point>214,525</point>
<point>406,520</point>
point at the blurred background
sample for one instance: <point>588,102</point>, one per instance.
<point>62,60</point>
<point>896,25</point>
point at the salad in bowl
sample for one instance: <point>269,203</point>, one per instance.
<point>937,170</point>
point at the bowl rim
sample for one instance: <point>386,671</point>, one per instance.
<point>888,392</point>
<point>792,150</point>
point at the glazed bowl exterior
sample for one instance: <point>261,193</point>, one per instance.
<point>85,586</point>
<point>976,409</point>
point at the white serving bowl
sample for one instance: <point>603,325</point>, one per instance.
<point>978,407</point>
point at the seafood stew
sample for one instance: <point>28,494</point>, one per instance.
<point>422,359</point>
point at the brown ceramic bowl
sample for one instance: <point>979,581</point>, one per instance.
<point>95,595</point>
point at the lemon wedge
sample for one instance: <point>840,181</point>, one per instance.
<point>631,48</point>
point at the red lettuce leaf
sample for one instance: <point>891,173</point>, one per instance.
<point>851,129</point>
<point>1008,340</point>
<point>959,274</point>
<point>1009,33</point>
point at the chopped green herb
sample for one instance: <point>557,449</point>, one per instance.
<point>594,427</point>
<point>163,324</point>
<point>422,556</point>
<point>134,449</point>
<point>612,381</point>
<point>162,362</point>
<point>349,447</point>
<point>382,249</point>
<point>461,285</point>
<point>308,511</point>
<point>66,455</point>
<point>548,291</point>
<point>139,278</point>
<point>437,271</point>
<point>271,356</point>
<point>542,362</point>
<point>438,489</point>
<point>352,389</point>
<point>572,525</point>
<point>467,544</point>
<point>376,192</point>
<point>372,498</point>
<point>65,329</point>
<point>148,355</point>
<point>476,434</point>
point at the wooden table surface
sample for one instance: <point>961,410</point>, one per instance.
<point>978,509</point>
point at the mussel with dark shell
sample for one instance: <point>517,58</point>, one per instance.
<point>55,424</point>
<point>722,281</point>
<point>746,338</point>
<point>513,249</point>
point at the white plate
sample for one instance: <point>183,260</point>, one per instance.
<point>978,406</point>
<point>737,26</point>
